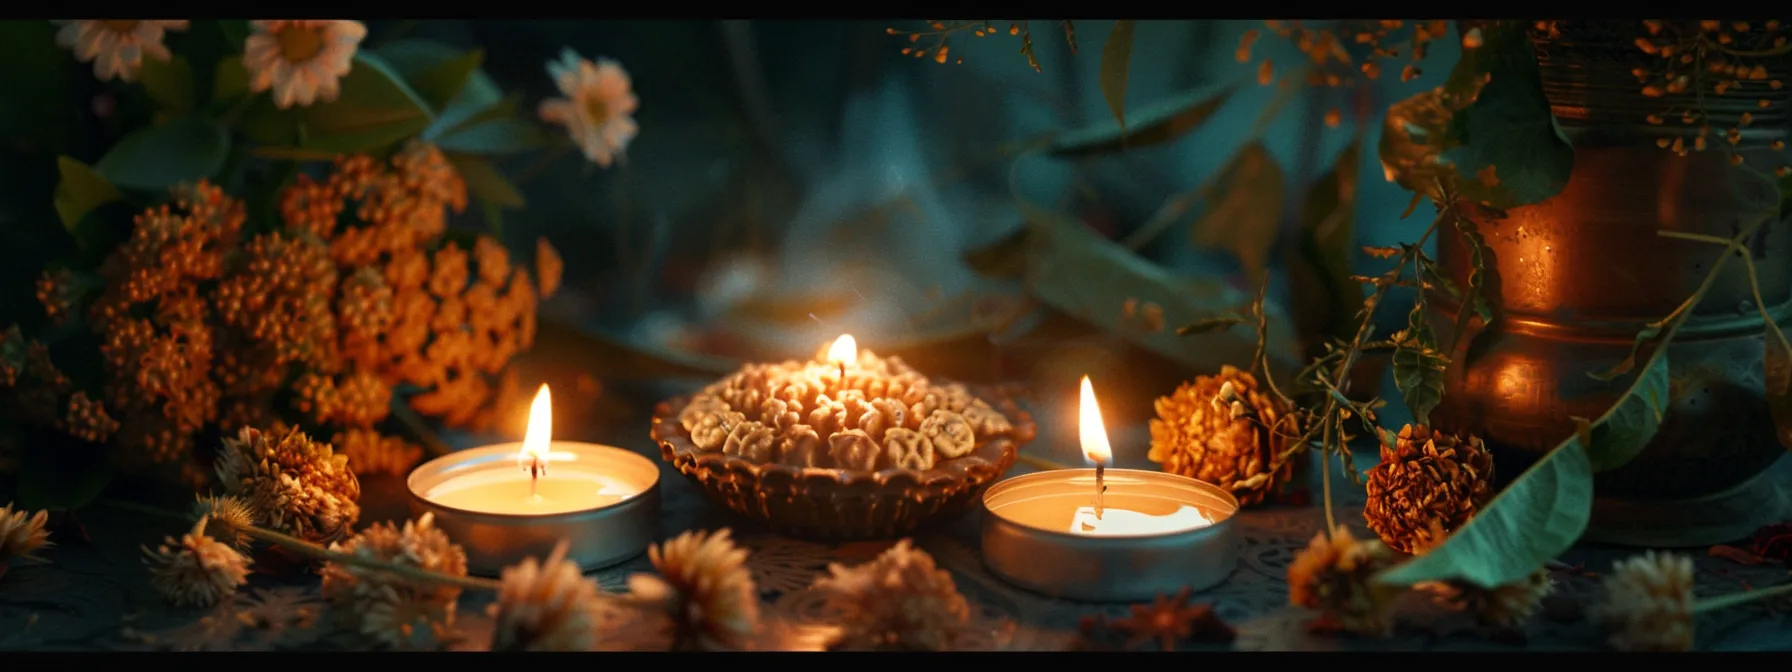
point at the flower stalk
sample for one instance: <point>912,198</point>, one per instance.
<point>319,552</point>
<point>1744,597</point>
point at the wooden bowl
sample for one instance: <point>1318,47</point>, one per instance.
<point>841,504</point>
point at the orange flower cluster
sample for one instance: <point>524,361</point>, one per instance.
<point>1694,64</point>
<point>1337,53</point>
<point>328,315</point>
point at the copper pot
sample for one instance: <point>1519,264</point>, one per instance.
<point>1578,275</point>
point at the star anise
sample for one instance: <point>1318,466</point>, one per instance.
<point>1172,619</point>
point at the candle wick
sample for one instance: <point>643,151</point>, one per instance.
<point>1100,489</point>
<point>535,471</point>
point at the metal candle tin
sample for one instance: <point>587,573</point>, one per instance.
<point>596,538</point>
<point>1109,569</point>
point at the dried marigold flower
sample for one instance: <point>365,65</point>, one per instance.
<point>196,570</point>
<point>1647,603</point>
<point>296,486</point>
<point>1194,437</point>
<point>1426,477</point>
<point>546,606</point>
<point>370,452</point>
<point>1506,606</point>
<point>1335,577</point>
<point>386,607</point>
<point>21,535</point>
<point>228,518</point>
<point>899,601</point>
<point>705,588</point>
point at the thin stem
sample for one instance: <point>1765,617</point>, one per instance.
<point>1325,478</point>
<point>1733,599</point>
<point>418,429</point>
<point>316,551</point>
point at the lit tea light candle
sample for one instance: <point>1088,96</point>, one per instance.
<point>843,351</point>
<point>511,501</point>
<point>1107,534</point>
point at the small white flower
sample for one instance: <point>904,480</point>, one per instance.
<point>116,47</point>
<point>302,62</point>
<point>597,108</point>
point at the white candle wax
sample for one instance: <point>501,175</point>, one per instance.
<point>1123,522</point>
<point>565,488</point>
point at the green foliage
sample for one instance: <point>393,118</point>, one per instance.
<point>80,190</point>
<point>62,480</point>
<point>1205,325</point>
<point>1487,134</point>
<point>153,158</point>
<point>229,81</point>
<point>1248,215</point>
<point>1320,273</point>
<point>1003,258</point>
<point>236,31</point>
<point>1419,366</point>
<point>1156,124</point>
<point>1116,56</point>
<point>485,183</point>
<point>169,83</point>
<point>502,135</point>
<point>1546,509</point>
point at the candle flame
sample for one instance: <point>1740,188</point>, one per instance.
<point>539,437</point>
<point>844,350</point>
<point>1089,425</point>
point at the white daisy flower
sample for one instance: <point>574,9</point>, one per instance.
<point>597,107</point>
<point>116,47</point>
<point>302,61</point>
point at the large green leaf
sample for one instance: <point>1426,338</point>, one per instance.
<point>1155,124</point>
<point>1247,215</point>
<point>169,83</point>
<point>1116,56</point>
<point>80,190</point>
<point>479,101</point>
<point>185,149</point>
<point>1320,276</point>
<point>371,140</point>
<point>443,76</point>
<point>1488,132</point>
<point>485,183</point>
<point>373,96</point>
<point>440,84</point>
<point>496,136</point>
<point>1076,271</point>
<point>229,81</point>
<point>1546,509</point>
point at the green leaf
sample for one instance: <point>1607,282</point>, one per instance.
<point>1419,367</point>
<point>497,136</point>
<point>1320,275</point>
<point>1546,509</point>
<point>183,150</point>
<point>1155,124</point>
<point>480,100</point>
<point>169,83</point>
<point>432,64</point>
<point>236,32</point>
<point>1488,133</point>
<point>1220,322</point>
<point>1116,56</point>
<point>1076,271</point>
<point>373,96</point>
<point>230,81</point>
<point>438,85</point>
<point>80,190</point>
<point>1248,214</point>
<point>486,183</point>
<point>1003,258</point>
<point>371,140</point>
<point>1777,361</point>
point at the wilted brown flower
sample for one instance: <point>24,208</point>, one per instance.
<point>1426,480</point>
<point>546,606</point>
<point>229,516</point>
<point>196,571</point>
<point>1335,576</point>
<point>385,607</point>
<point>899,601</point>
<point>295,485</point>
<point>370,452</point>
<point>20,535</point>
<point>1647,603</point>
<point>1506,606</point>
<point>705,588</point>
<point>1224,430</point>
